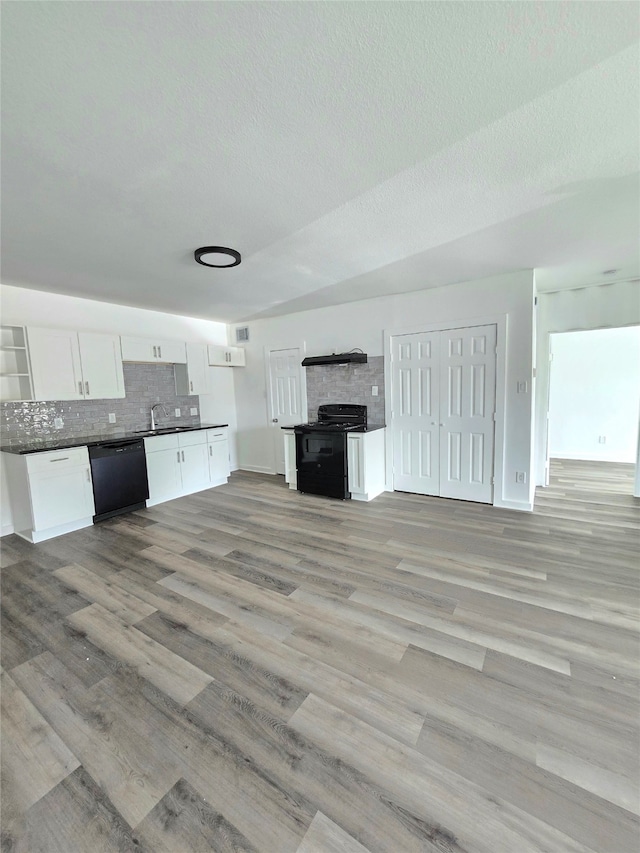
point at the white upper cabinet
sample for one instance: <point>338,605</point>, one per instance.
<point>101,366</point>
<point>220,356</point>
<point>148,349</point>
<point>193,378</point>
<point>66,365</point>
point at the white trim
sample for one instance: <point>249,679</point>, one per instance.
<point>259,469</point>
<point>520,506</point>
<point>500,321</point>
<point>7,530</point>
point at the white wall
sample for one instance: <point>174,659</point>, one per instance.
<point>598,307</point>
<point>362,324</point>
<point>24,307</point>
<point>595,392</point>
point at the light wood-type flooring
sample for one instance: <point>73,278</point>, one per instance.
<point>251,669</point>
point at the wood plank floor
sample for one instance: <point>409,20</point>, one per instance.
<point>251,669</point>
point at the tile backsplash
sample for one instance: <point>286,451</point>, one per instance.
<point>347,383</point>
<point>145,384</point>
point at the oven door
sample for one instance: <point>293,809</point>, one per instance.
<point>321,460</point>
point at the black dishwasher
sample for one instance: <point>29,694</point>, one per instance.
<point>119,474</point>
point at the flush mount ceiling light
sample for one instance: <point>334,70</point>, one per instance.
<point>217,256</point>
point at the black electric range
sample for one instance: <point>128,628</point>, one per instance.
<point>321,449</point>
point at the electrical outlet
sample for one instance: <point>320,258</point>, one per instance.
<point>374,390</point>
<point>522,387</point>
<point>602,439</point>
<point>58,423</point>
<point>521,478</point>
<point>177,411</point>
<point>194,410</point>
<point>112,418</point>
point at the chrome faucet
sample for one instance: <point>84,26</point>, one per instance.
<point>153,417</point>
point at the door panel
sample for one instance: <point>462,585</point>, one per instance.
<point>101,360</point>
<point>414,402</point>
<point>55,364</point>
<point>285,397</point>
<point>466,446</point>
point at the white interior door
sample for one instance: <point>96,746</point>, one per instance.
<point>416,406</point>
<point>443,404</point>
<point>467,406</point>
<point>287,399</point>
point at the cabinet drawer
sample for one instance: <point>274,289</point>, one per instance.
<point>160,442</point>
<point>57,459</point>
<point>188,439</point>
<point>217,434</point>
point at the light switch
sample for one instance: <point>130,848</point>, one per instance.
<point>177,411</point>
<point>194,410</point>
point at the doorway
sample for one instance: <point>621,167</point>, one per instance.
<point>594,403</point>
<point>443,388</point>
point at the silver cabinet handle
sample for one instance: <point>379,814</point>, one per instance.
<point>159,352</point>
<point>80,389</point>
<point>210,451</point>
<point>191,386</point>
<point>155,352</point>
<point>275,421</point>
<point>183,455</point>
<point>88,476</point>
<point>60,459</point>
<point>178,454</point>
<point>87,387</point>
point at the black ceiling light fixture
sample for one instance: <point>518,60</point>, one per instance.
<point>217,256</point>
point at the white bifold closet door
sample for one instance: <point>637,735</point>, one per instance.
<point>443,404</point>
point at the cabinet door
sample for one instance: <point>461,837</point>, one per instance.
<point>171,352</point>
<point>194,467</point>
<point>61,496</point>
<point>101,360</point>
<point>355,463</point>
<point>163,474</point>
<point>55,364</point>
<point>217,355</point>
<point>219,461</point>
<point>197,369</point>
<point>290,470</point>
<point>236,356</point>
<point>138,349</point>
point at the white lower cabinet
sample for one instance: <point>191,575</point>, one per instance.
<point>218,449</point>
<point>365,463</point>
<point>181,464</point>
<point>290,467</point>
<point>51,493</point>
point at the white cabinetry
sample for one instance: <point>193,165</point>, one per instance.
<point>220,356</point>
<point>180,464</point>
<point>365,462</point>
<point>290,468</point>
<point>218,447</point>
<point>193,377</point>
<point>146,349</point>
<point>50,493</point>
<point>68,365</point>
<point>15,372</point>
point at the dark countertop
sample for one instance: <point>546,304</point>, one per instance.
<point>367,428</point>
<point>39,445</point>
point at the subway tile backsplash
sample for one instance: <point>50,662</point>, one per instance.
<point>347,383</point>
<point>145,384</point>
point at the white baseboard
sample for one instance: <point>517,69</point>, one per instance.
<point>7,530</point>
<point>256,469</point>
<point>519,506</point>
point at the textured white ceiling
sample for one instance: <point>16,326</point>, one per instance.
<point>347,149</point>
